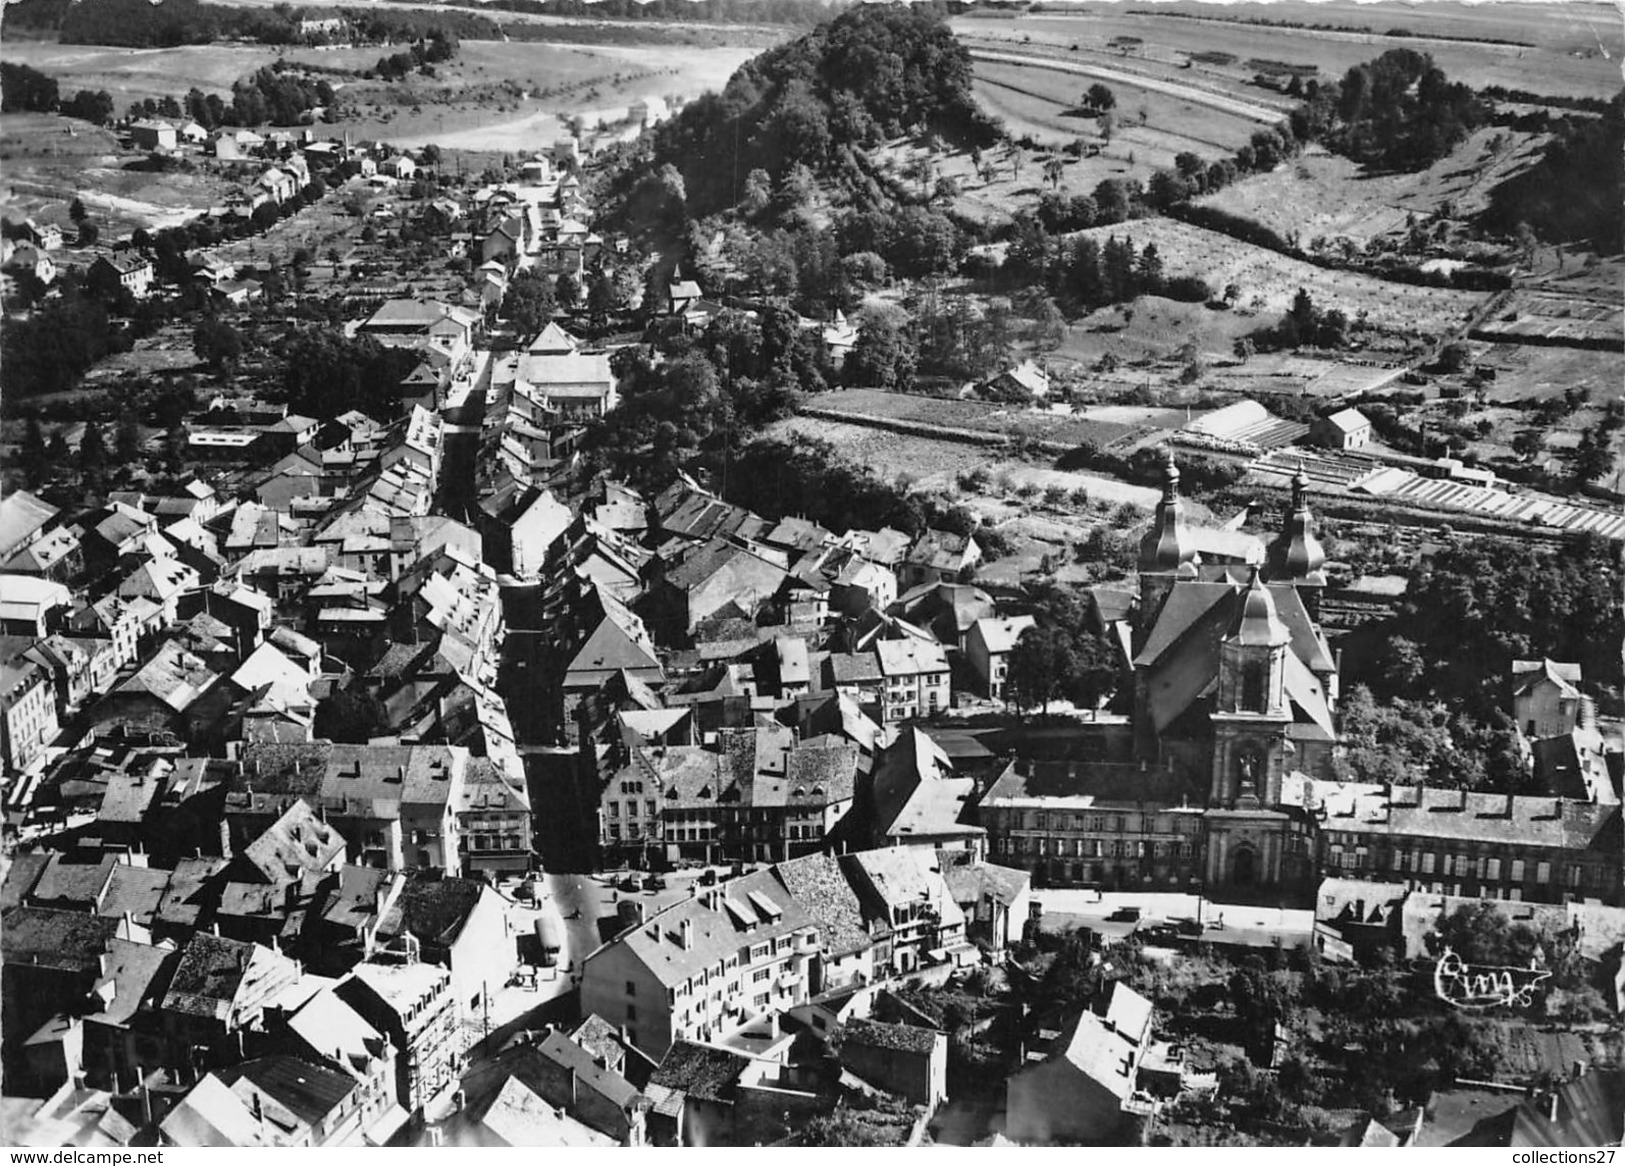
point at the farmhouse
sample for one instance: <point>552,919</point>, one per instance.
<point>1345,429</point>
<point>153,135</point>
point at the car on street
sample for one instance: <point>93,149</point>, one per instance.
<point>629,883</point>
<point>1124,915</point>
<point>654,882</point>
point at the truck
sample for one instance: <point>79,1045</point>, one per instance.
<point>549,934</point>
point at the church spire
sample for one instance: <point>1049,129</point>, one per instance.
<point>1296,555</point>
<point>1166,546</point>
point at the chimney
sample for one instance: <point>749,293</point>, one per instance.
<point>1579,1069</point>
<point>1551,1109</point>
<point>685,931</point>
<point>254,1102</point>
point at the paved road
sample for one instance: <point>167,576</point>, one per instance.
<point>1155,84</point>
<point>1253,926</point>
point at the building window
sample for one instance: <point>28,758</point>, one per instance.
<point>1543,873</point>
<point>1492,869</point>
<point>631,1013</point>
<point>631,988</point>
<point>1517,870</point>
<point>1574,876</point>
<point>1252,687</point>
<point>1427,862</point>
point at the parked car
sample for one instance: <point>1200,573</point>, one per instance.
<point>1187,926</point>
<point>1124,915</point>
<point>654,882</point>
<point>526,891</point>
<point>629,883</point>
<point>709,878</point>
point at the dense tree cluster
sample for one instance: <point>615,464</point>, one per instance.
<point>26,90</point>
<point>51,348</point>
<point>1304,324</point>
<point>1400,112</point>
<point>1062,657</point>
<point>807,477</point>
<point>873,72</point>
<point>710,394</point>
<point>1574,193</point>
<point>272,96</point>
<point>1428,689</point>
<point>326,373</point>
<point>1472,609</point>
<point>423,54</point>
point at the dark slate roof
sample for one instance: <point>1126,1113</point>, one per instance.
<point>589,1074</point>
<point>816,882</point>
<point>210,968</point>
<point>702,1072</point>
<point>902,1038</point>
<point>1104,783</point>
<point>65,940</point>
<point>434,909</point>
<point>308,1090</point>
<point>21,875</point>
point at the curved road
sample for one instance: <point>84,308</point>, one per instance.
<point>1230,105</point>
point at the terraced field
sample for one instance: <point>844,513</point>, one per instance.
<point>1268,281</point>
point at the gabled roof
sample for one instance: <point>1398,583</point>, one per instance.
<point>910,657</point>
<point>817,883</point>
<point>1348,420</point>
<point>22,515</point>
<point>296,844</point>
<point>435,910</point>
<point>1000,635</point>
<point>702,1072</point>
<point>1526,674</point>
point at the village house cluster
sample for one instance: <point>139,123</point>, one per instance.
<point>280,760</point>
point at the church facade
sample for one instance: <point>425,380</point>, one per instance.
<point>1234,690</point>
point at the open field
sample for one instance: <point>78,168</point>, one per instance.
<point>1528,372</point>
<point>1537,317</point>
<point>560,81</point>
<point>1568,46</point>
<point>1268,281</point>
<point>1041,99</point>
<point>1153,328</point>
<point>45,168</point>
<point>977,416</point>
<point>472,104</point>
<point>136,74</point>
<point>1321,195</point>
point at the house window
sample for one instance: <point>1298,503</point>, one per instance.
<point>1543,873</point>
<point>1517,870</point>
<point>1492,869</point>
<point>631,1013</point>
<point>1427,862</point>
<point>631,988</point>
<point>614,809</point>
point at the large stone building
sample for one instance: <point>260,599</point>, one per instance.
<point>1228,788</point>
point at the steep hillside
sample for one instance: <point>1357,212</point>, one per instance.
<point>870,74</point>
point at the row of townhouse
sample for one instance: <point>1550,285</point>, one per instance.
<point>762,944</point>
